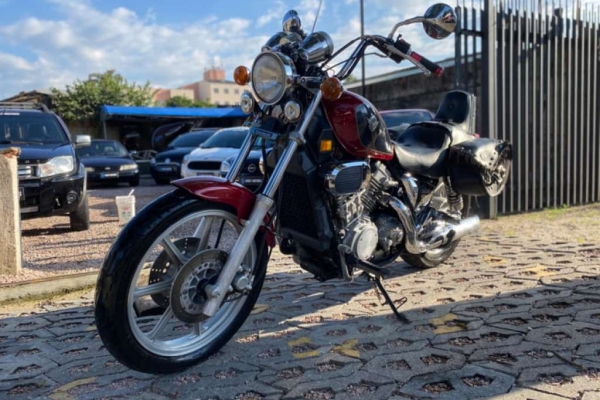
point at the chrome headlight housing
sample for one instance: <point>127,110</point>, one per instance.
<point>272,75</point>
<point>226,165</point>
<point>57,166</point>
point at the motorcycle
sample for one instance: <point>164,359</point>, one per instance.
<point>339,196</point>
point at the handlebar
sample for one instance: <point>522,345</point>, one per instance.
<point>432,67</point>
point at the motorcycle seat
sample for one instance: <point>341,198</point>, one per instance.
<point>422,149</point>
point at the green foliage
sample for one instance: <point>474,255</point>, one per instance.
<point>180,101</point>
<point>351,78</point>
<point>81,101</point>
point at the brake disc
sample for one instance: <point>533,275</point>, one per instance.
<point>163,268</point>
<point>188,291</point>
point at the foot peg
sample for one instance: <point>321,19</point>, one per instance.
<point>380,289</point>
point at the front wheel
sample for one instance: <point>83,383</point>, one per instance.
<point>150,291</point>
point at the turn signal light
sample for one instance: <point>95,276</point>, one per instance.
<point>241,75</point>
<point>332,89</point>
<point>326,146</point>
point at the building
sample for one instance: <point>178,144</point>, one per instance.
<point>214,89</point>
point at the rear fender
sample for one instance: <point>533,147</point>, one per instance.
<point>220,190</point>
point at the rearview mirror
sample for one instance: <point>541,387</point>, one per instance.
<point>440,21</point>
<point>83,140</point>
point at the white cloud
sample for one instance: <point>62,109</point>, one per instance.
<point>85,40</point>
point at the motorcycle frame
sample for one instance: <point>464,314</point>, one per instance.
<point>264,202</point>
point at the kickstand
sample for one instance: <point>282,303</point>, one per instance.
<point>388,300</point>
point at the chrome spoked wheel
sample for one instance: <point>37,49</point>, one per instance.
<point>166,294</point>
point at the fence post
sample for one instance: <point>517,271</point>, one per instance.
<point>10,214</point>
<point>488,86</point>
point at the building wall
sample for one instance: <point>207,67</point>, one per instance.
<point>220,93</point>
<point>195,88</point>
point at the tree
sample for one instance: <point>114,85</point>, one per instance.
<point>180,101</point>
<point>351,78</point>
<point>81,101</point>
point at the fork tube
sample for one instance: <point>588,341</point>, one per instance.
<point>216,293</point>
<point>293,144</point>
<point>235,169</point>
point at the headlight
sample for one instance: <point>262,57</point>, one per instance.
<point>247,102</point>
<point>153,160</point>
<point>89,169</point>
<point>272,75</point>
<point>226,165</point>
<point>128,167</point>
<point>57,166</point>
<point>317,47</point>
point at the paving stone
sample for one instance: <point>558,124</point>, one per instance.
<point>590,352</point>
<point>233,374</point>
<point>379,387</point>
<point>73,325</point>
<point>470,382</point>
<point>514,359</point>
<point>568,336</point>
<point>329,366</point>
<point>524,322</point>
<point>86,368</point>
<point>79,350</point>
<point>246,390</point>
<point>8,338</point>
<point>403,366</point>
<point>26,388</point>
<point>564,380</point>
<point>518,393</point>
<point>24,368</point>
<point>468,341</point>
<point>589,316</point>
<point>67,341</point>
<point>118,385</point>
<point>488,307</point>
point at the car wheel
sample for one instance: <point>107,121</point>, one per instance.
<point>134,182</point>
<point>80,218</point>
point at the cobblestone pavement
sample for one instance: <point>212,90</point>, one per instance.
<point>514,314</point>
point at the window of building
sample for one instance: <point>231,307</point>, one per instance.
<point>236,91</point>
<point>216,90</point>
<point>226,91</point>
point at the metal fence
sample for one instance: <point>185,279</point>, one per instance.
<point>534,67</point>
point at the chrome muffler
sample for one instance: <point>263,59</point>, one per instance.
<point>444,235</point>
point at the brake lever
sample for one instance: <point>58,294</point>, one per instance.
<point>392,49</point>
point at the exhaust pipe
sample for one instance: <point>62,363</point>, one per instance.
<point>453,232</point>
<point>447,234</point>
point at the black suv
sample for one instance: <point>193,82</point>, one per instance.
<point>52,180</point>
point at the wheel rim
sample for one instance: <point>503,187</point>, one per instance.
<point>162,333</point>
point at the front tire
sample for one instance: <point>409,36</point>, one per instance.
<point>125,329</point>
<point>80,218</point>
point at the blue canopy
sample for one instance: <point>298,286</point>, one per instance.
<point>106,112</point>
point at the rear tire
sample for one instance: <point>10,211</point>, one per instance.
<point>131,252</point>
<point>80,218</point>
<point>431,259</point>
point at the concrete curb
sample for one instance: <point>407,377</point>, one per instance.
<point>41,288</point>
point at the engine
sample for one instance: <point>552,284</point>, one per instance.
<point>357,189</point>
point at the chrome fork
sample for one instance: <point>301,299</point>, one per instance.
<point>264,201</point>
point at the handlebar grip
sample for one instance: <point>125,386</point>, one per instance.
<point>432,67</point>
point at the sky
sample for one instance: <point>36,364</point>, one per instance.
<point>51,43</point>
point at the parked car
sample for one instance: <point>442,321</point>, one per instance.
<point>398,120</point>
<point>52,179</point>
<point>250,175</point>
<point>167,164</point>
<point>108,162</point>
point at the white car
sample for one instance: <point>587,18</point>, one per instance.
<point>207,159</point>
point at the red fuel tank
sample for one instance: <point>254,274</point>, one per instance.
<point>358,127</point>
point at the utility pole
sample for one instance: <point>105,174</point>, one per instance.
<point>362,33</point>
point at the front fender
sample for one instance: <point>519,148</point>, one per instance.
<point>220,190</point>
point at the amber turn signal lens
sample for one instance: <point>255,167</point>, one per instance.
<point>332,89</point>
<point>241,75</point>
<point>326,146</point>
